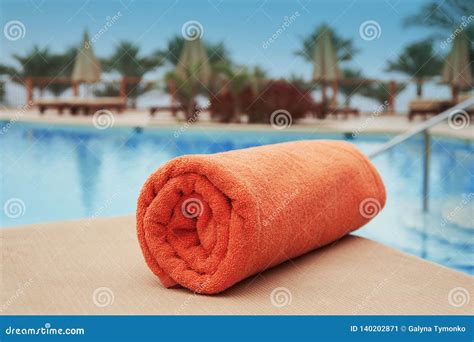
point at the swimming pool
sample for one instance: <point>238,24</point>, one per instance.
<point>57,172</point>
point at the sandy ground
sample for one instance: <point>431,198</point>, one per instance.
<point>365,124</point>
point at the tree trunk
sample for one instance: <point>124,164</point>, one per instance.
<point>347,101</point>
<point>191,104</point>
<point>419,88</point>
<point>323,92</point>
<point>236,110</point>
<point>324,97</point>
<point>454,92</point>
<point>335,88</point>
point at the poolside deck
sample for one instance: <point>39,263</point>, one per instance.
<point>365,124</point>
<point>96,267</point>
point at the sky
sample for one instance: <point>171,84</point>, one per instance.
<point>244,27</point>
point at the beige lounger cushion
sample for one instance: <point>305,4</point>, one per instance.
<point>55,268</point>
<point>49,101</point>
<point>106,100</point>
<point>427,104</point>
<point>82,101</point>
<point>464,96</point>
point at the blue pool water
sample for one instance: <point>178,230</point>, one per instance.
<point>53,173</point>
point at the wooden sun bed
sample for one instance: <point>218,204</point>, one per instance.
<point>317,110</point>
<point>344,111</point>
<point>173,109</point>
<point>426,107</point>
<point>86,106</point>
<point>56,268</point>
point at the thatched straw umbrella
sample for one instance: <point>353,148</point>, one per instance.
<point>193,68</point>
<point>457,67</point>
<point>87,68</point>
<point>325,64</point>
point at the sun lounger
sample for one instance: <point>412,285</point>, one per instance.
<point>317,110</point>
<point>427,107</point>
<point>87,106</point>
<point>470,110</point>
<point>96,267</point>
<point>344,111</point>
<point>58,104</point>
<point>434,107</point>
<point>173,109</point>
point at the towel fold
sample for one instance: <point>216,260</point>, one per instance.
<point>206,222</point>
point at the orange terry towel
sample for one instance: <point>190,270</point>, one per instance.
<point>206,222</point>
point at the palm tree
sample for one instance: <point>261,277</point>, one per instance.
<point>62,65</point>
<point>239,78</point>
<point>380,92</point>
<point>338,50</point>
<point>126,60</point>
<point>300,82</point>
<point>418,61</point>
<point>217,54</point>
<point>172,52</point>
<point>447,16</point>
<point>236,78</point>
<point>349,89</point>
<point>218,58</point>
<point>38,62</point>
<point>2,91</point>
<point>344,47</point>
<point>107,89</point>
<point>4,70</point>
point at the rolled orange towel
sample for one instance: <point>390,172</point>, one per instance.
<point>206,222</point>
